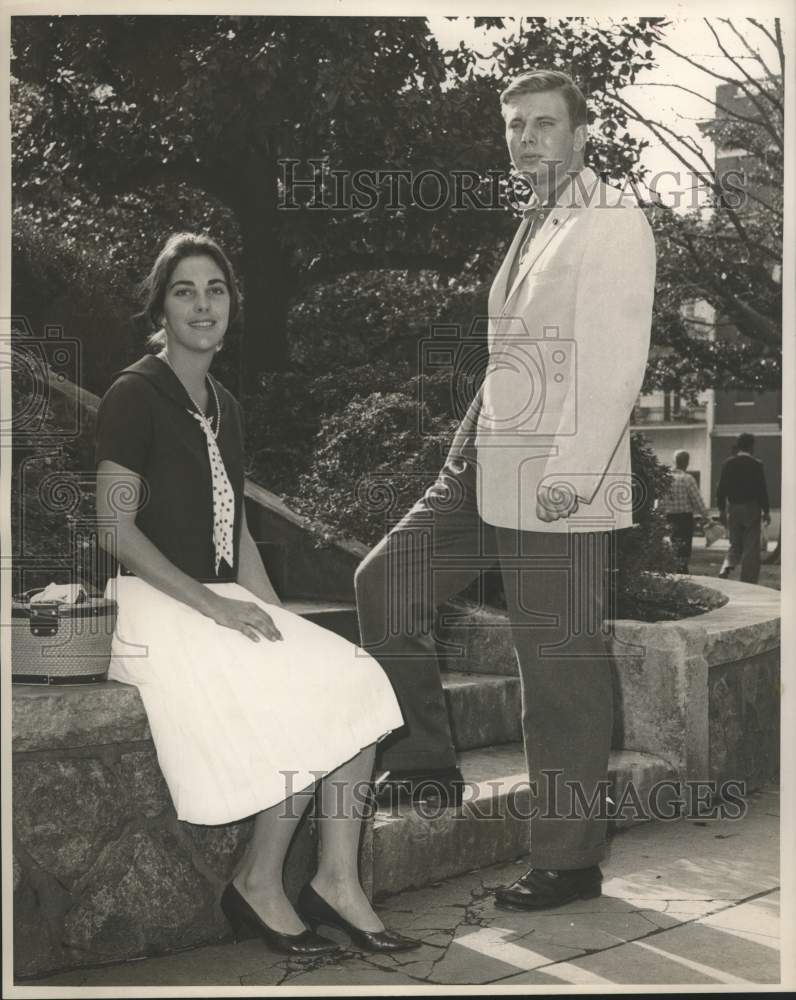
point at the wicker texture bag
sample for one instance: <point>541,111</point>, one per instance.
<point>56,643</point>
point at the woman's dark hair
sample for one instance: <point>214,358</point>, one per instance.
<point>178,247</point>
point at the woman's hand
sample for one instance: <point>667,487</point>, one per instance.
<point>244,616</point>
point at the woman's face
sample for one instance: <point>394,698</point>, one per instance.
<point>196,305</point>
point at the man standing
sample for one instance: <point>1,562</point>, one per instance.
<point>681,504</point>
<point>538,480</point>
<point>742,499</point>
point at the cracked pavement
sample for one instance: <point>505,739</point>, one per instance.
<point>683,902</point>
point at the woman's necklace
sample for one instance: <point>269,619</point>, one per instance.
<point>217,430</point>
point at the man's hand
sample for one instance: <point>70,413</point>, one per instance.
<point>766,519</point>
<point>556,501</point>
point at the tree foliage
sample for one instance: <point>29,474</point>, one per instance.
<point>174,108</point>
<point>729,253</point>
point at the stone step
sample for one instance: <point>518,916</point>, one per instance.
<point>414,845</point>
<point>484,709</point>
<point>476,640</point>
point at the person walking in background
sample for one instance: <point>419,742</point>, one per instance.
<point>742,499</point>
<point>682,504</point>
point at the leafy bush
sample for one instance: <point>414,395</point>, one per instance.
<point>285,418</point>
<point>644,550</point>
<point>372,461</point>
<point>380,315</point>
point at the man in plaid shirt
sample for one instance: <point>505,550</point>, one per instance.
<point>680,504</point>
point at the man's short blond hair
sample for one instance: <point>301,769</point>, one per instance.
<point>539,80</point>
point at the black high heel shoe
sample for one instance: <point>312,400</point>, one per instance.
<point>314,910</point>
<point>243,918</point>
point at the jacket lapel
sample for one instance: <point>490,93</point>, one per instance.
<point>552,226</point>
<point>572,197</point>
<point>498,292</point>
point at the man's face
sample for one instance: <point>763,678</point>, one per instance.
<point>541,140</point>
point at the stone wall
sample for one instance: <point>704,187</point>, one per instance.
<point>695,684</point>
<point>103,869</point>
<point>744,719</point>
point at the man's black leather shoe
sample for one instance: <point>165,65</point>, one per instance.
<point>542,889</point>
<point>445,785</point>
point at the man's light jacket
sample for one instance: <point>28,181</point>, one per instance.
<point>568,346</point>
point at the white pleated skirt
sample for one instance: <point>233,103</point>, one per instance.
<point>240,725</point>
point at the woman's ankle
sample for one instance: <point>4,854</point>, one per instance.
<point>350,900</point>
<point>256,883</point>
<point>340,890</point>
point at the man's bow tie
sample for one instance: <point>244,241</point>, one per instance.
<point>521,194</point>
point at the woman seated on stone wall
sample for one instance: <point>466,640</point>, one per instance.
<point>241,726</point>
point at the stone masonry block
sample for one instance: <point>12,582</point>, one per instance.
<point>80,715</point>
<point>745,720</point>
<point>66,811</point>
<point>143,896</point>
<point>143,781</point>
<point>661,693</point>
<point>484,709</point>
<point>477,640</point>
<point>38,903</point>
<point>219,847</point>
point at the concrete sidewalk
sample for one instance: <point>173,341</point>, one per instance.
<point>690,902</point>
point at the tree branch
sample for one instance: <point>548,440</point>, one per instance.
<point>776,212</point>
<point>765,330</point>
<point>730,112</point>
<point>694,63</point>
<point>725,79</point>
<point>741,68</point>
<point>761,27</point>
<point>654,128</point>
<point>780,46</point>
<point>750,321</point>
<point>752,51</point>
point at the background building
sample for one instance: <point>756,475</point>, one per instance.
<point>707,427</point>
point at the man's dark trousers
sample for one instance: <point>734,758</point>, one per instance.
<point>743,528</point>
<point>558,587</point>
<point>681,529</point>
